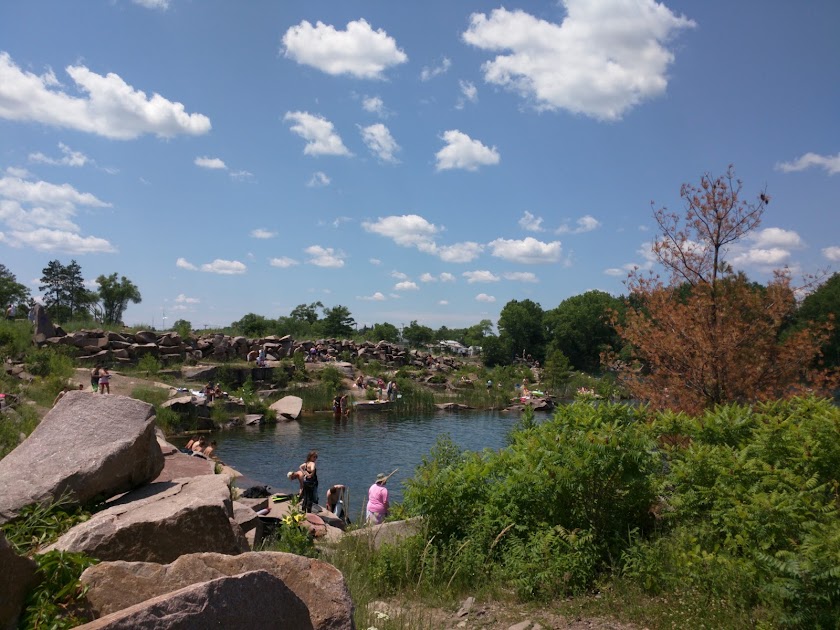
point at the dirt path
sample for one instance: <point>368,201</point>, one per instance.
<point>120,384</point>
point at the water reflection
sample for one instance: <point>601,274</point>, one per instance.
<point>353,450</point>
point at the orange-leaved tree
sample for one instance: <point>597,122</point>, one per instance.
<point>705,334</point>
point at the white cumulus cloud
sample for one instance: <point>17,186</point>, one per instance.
<point>408,230</point>
<point>520,276</point>
<point>319,133</point>
<point>374,105</point>
<point>376,297</point>
<point>183,263</point>
<point>530,222</point>
<point>832,253</point>
<point>224,267</point>
<point>480,276</point>
<point>262,233</point>
<point>380,142</point>
<point>210,163</point>
<point>406,285</point>
<point>325,257</point>
<point>586,223</point>
<point>483,297</point>
<point>284,262</point>
<point>34,210</point>
<point>528,250</point>
<point>430,72</point>
<point>829,163</point>
<point>70,158</point>
<point>776,237</point>
<point>319,179</point>
<point>358,51</point>
<point>110,106</point>
<point>462,152</point>
<point>183,299</point>
<point>469,94</point>
<point>606,56</point>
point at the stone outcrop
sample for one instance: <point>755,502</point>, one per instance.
<point>87,446</point>
<point>113,586</point>
<point>161,521</point>
<point>114,347</point>
<point>16,578</point>
<point>225,602</point>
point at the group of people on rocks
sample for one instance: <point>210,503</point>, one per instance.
<point>307,477</point>
<point>201,447</point>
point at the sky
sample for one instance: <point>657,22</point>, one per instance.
<point>410,161</point>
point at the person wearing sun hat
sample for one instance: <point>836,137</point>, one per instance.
<point>377,506</point>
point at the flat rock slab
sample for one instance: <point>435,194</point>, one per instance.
<point>114,586</point>
<point>160,522</point>
<point>87,446</point>
<point>288,407</point>
<point>179,465</point>
<point>225,602</point>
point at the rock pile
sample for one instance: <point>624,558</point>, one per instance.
<point>106,448</point>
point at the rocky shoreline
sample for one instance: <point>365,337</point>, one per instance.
<point>172,541</point>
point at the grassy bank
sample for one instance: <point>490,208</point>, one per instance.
<point>725,520</point>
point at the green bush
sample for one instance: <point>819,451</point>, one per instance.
<point>58,601</point>
<point>332,378</point>
<point>148,364</point>
<point>579,482</point>
<point>749,511</point>
<point>15,338</point>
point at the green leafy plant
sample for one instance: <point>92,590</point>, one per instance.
<point>38,525</point>
<point>58,601</point>
<point>149,365</point>
<point>291,536</point>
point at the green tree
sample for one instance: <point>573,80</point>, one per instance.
<point>475,335</point>
<point>338,322</point>
<point>11,291</point>
<point>306,312</point>
<point>253,325</point>
<point>823,305</point>
<point>581,328</point>
<point>556,371</point>
<point>115,296</point>
<point>521,326</point>
<point>383,332</point>
<point>65,296</point>
<point>183,327</point>
<point>496,351</point>
<point>417,335</point>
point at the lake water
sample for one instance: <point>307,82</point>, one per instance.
<point>352,451</point>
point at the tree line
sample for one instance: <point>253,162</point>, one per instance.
<point>65,296</point>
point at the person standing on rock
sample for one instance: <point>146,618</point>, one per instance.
<point>377,505</point>
<point>104,381</point>
<point>94,378</point>
<point>310,481</point>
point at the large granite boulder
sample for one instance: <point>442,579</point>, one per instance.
<point>43,326</point>
<point>16,578</point>
<point>160,522</point>
<point>226,602</point>
<point>113,586</point>
<point>86,446</point>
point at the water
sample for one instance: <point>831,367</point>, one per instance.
<point>352,451</point>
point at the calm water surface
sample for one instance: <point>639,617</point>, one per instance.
<point>351,451</point>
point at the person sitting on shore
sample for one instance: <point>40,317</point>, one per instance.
<point>209,450</point>
<point>335,496</point>
<point>198,445</point>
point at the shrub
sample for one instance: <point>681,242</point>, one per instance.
<point>148,364</point>
<point>577,483</point>
<point>332,378</point>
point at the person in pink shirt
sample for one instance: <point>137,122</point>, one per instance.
<point>377,506</point>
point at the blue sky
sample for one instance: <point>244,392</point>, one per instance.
<point>427,161</point>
